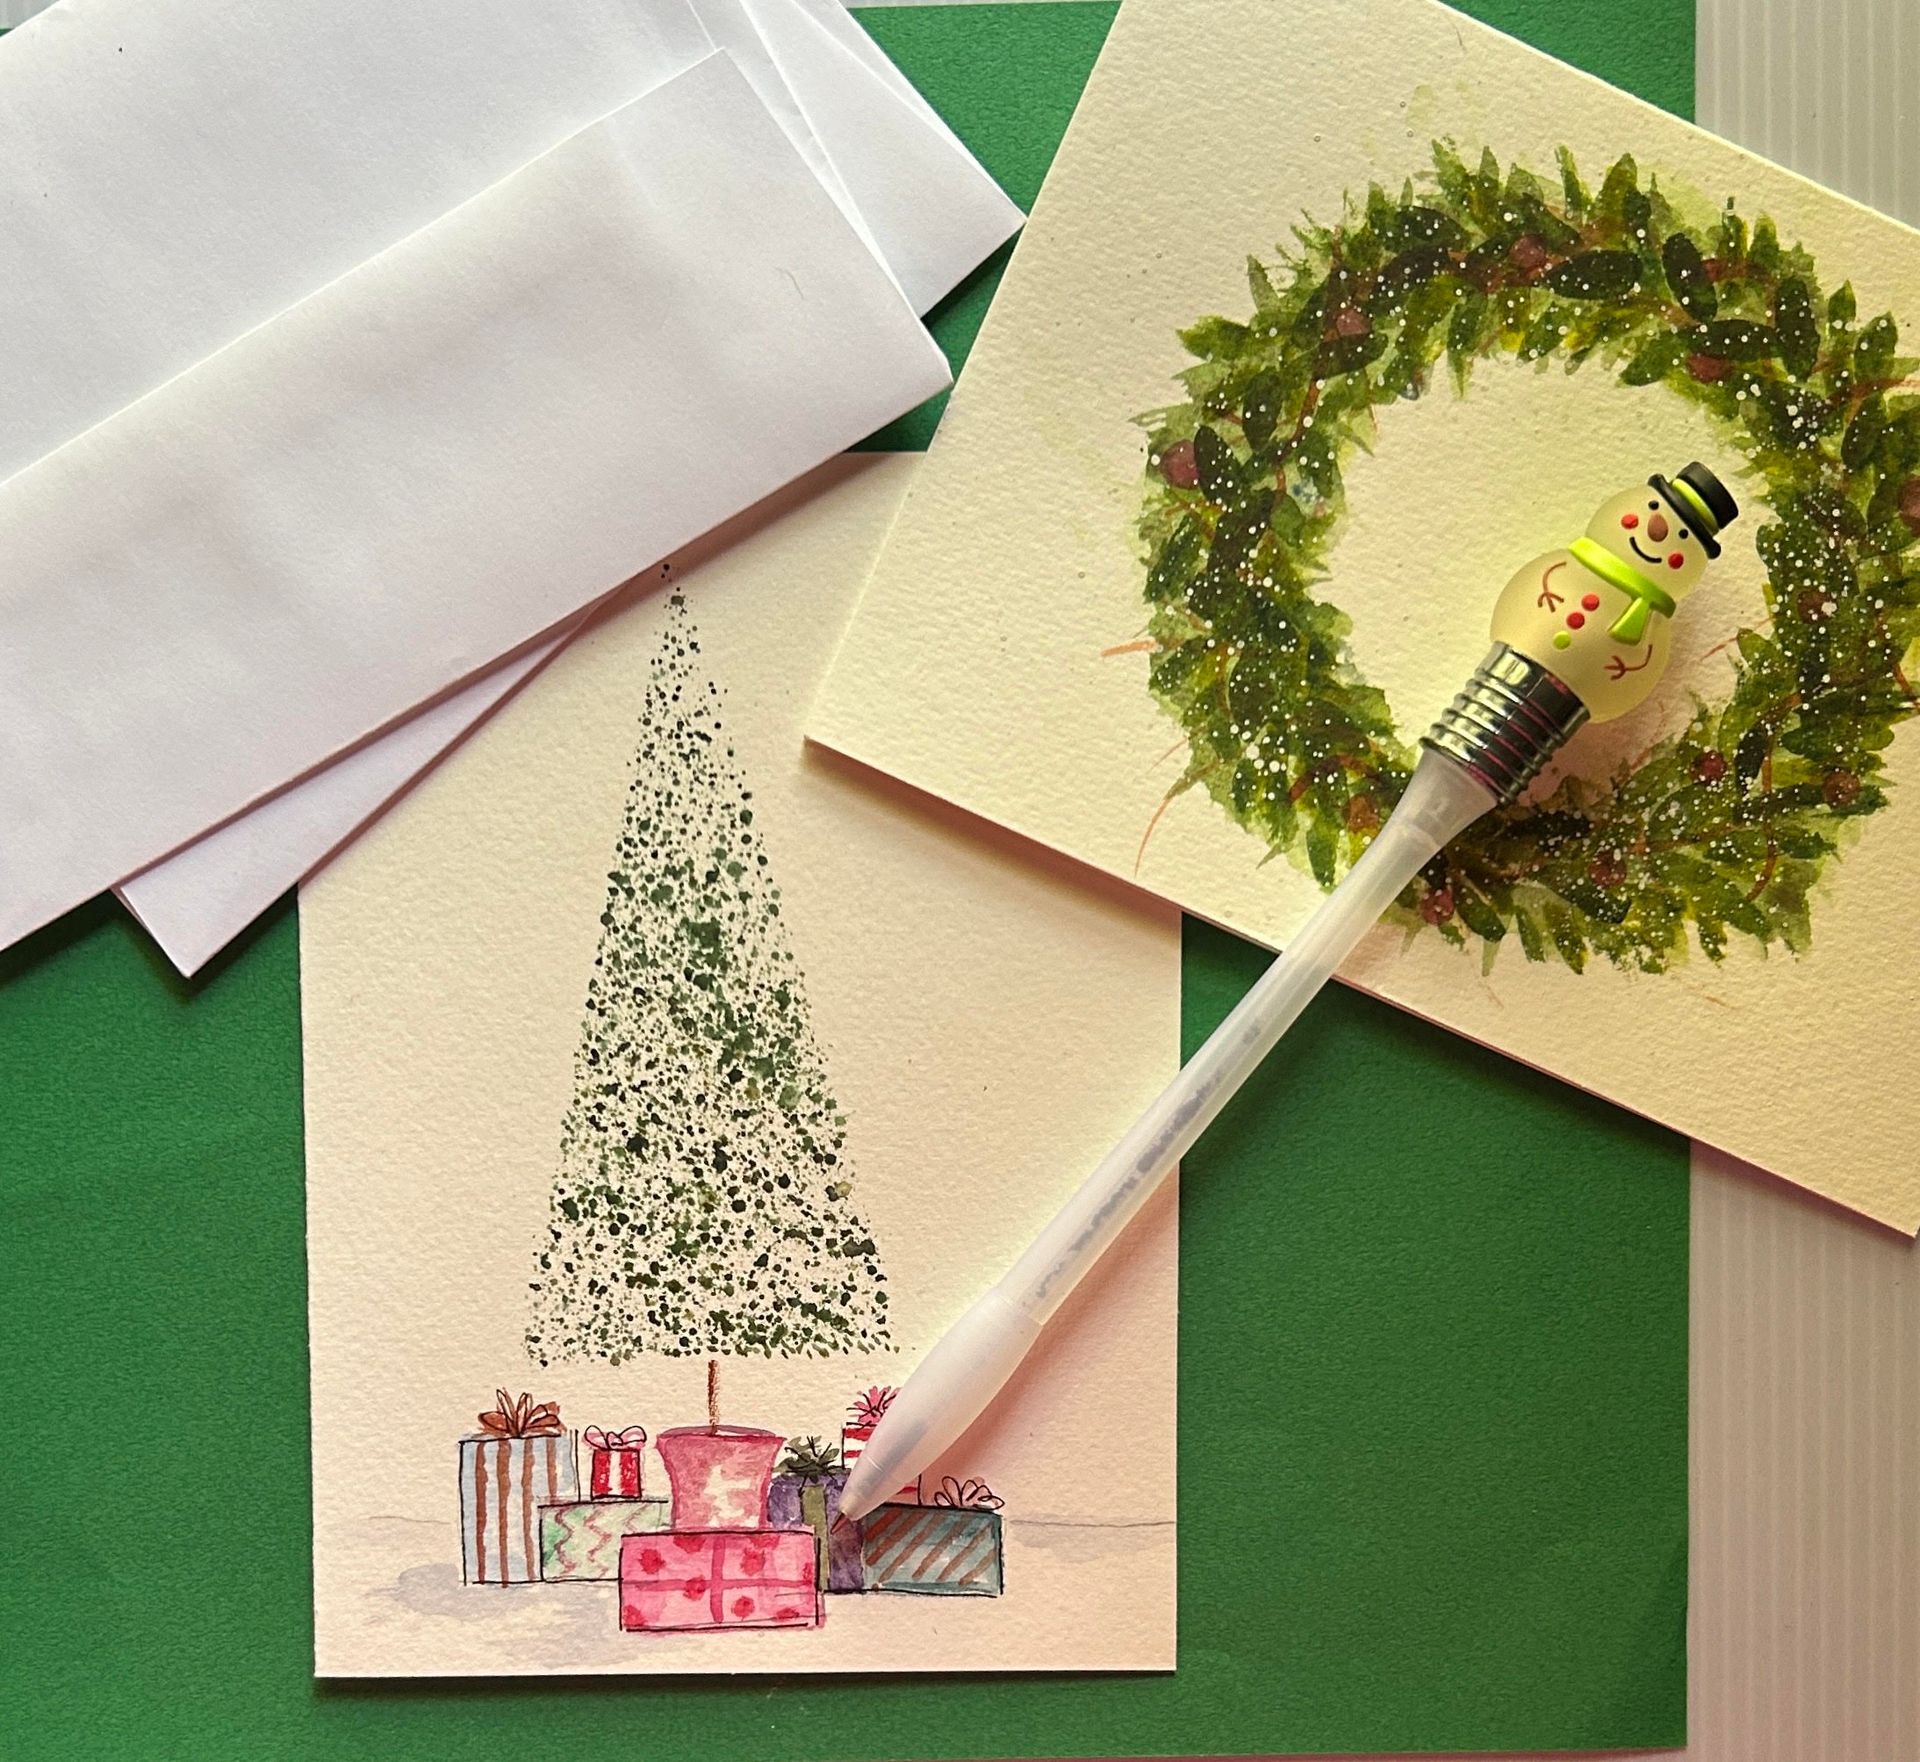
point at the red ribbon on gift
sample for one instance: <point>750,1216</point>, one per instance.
<point>968,1495</point>
<point>633,1438</point>
<point>522,1418</point>
<point>871,1408</point>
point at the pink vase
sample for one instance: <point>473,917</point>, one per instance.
<point>719,1478</point>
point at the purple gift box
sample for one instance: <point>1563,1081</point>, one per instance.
<point>813,1502</point>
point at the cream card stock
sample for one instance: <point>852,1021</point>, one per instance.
<point>432,461</point>
<point>1029,649</point>
<point>983,1021</point>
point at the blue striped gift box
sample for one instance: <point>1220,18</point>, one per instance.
<point>933,1550</point>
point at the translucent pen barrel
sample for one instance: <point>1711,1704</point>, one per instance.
<point>1442,798</point>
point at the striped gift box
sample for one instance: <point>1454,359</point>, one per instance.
<point>935,1550</point>
<point>503,1484</point>
<point>580,1540</point>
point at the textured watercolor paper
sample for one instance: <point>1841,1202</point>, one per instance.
<point>1007,656</point>
<point>435,460</point>
<point>931,214</point>
<point>981,1019</point>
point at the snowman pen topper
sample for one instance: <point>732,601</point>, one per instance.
<point>1580,634</point>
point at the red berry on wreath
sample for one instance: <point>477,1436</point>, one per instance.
<point>1608,869</point>
<point>1179,466</point>
<point>1910,505</point>
<point>1530,254</point>
<point>1709,767</point>
<point>1350,321</point>
<point>1436,905</point>
<point>1840,789</point>
<point>1707,368</point>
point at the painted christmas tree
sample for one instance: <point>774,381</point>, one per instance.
<point>703,1205</point>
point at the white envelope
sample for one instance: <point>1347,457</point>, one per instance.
<point>938,215</point>
<point>434,460</point>
<point>175,172</point>
<point>931,211</point>
<point>196,901</point>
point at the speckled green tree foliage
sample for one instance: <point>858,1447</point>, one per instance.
<point>1722,829</point>
<point>704,1203</point>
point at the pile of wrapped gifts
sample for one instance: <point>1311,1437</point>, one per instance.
<point>748,1533</point>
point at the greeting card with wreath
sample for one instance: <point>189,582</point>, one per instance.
<point>1330,316</point>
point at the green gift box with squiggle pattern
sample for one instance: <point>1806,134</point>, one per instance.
<point>580,1540</point>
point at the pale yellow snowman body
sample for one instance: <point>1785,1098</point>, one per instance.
<point>1598,615</point>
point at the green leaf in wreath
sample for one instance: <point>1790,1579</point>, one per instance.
<point>1656,359</point>
<point>1260,285</point>
<point>1841,307</point>
<point>1213,338</point>
<point>1219,470</point>
<point>1873,354</point>
<point>1595,275</point>
<point>1260,412</point>
<point>1477,912</point>
<point>1572,191</point>
<point>1636,215</point>
<point>1731,247</point>
<point>1763,254</point>
<point>1686,273</point>
<point>1463,336</point>
<point>1241,528</point>
<point>1414,225</point>
<point>1173,567</point>
<point>1738,339</point>
<point>1622,179</point>
<point>1412,269</point>
<point>1798,331</point>
<point>1864,432</point>
<point>1323,852</point>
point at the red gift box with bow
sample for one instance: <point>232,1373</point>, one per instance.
<point>615,1470</point>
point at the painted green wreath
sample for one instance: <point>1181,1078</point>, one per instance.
<point>1726,825</point>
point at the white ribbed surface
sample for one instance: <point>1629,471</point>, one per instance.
<point>1805,1476</point>
<point>1804,1627</point>
<point>1829,88</point>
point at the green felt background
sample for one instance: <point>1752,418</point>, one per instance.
<point>1433,1335</point>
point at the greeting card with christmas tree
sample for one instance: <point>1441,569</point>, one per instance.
<point>669,1091</point>
<point>1331,316</point>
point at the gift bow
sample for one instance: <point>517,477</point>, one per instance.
<point>521,1418</point>
<point>869,1409</point>
<point>808,1459</point>
<point>967,1495</point>
<point>631,1439</point>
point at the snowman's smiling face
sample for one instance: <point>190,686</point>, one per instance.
<point>1641,527</point>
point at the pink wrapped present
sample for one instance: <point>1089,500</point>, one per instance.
<point>718,1578</point>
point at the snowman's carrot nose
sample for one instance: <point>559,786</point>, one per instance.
<point>1657,529</point>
